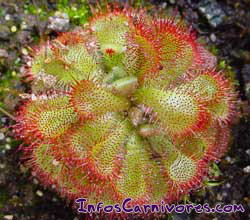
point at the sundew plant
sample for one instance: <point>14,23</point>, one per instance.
<point>130,106</point>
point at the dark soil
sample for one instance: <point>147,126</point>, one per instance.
<point>226,31</point>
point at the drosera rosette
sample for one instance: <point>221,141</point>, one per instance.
<point>132,106</point>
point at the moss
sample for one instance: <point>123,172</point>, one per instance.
<point>78,11</point>
<point>4,197</point>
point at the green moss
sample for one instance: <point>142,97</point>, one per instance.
<point>39,9</point>
<point>3,198</point>
<point>78,12</point>
<point>8,81</point>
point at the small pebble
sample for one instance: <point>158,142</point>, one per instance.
<point>247,90</point>
<point>25,51</point>
<point>224,194</point>
<point>248,152</point>
<point>13,73</point>
<point>13,29</point>
<point>7,17</point>
<point>8,217</point>
<point>228,159</point>
<point>24,25</point>
<point>55,162</point>
<point>3,119</point>
<point>7,147</point>
<point>246,169</point>
<point>39,193</point>
<point>213,37</point>
<point>1,136</point>
<point>2,165</point>
<point>59,22</point>
<point>35,181</point>
<point>54,199</point>
<point>164,5</point>
<point>219,197</point>
<point>212,11</point>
